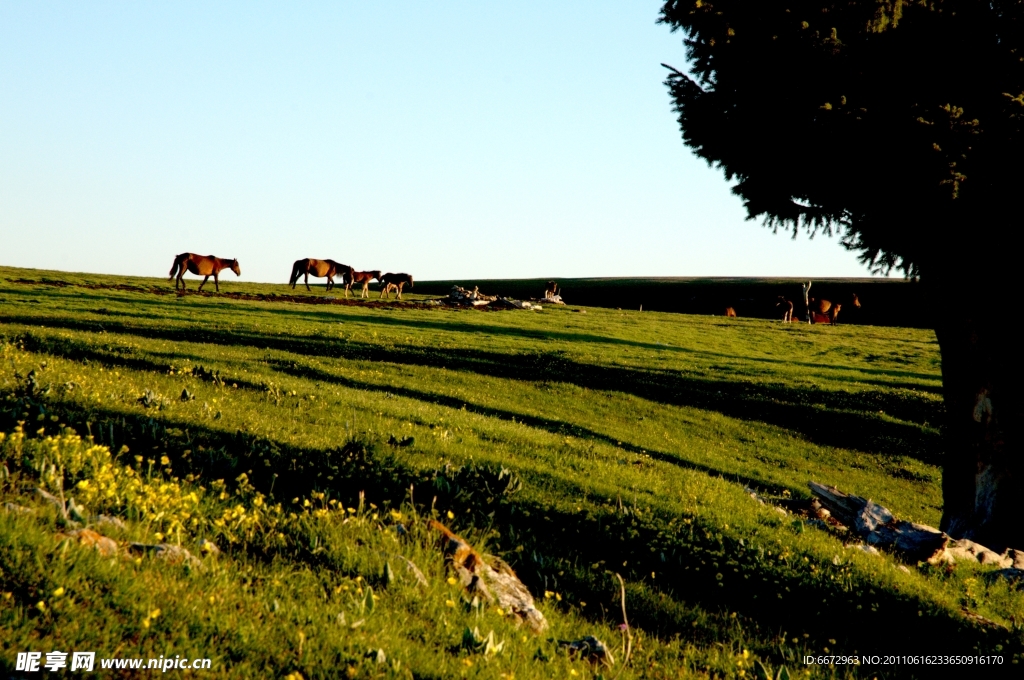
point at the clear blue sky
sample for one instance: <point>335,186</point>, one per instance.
<point>448,140</point>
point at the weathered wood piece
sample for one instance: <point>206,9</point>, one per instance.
<point>107,547</point>
<point>878,527</point>
<point>914,542</point>
<point>490,577</point>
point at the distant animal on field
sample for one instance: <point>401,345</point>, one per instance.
<point>729,311</point>
<point>826,311</point>
<point>787,309</point>
<point>828,317</point>
<point>394,282</point>
<point>318,268</point>
<point>201,265</point>
<point>363,278</point>
<point>551,289</point>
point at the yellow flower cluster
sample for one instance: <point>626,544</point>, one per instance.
<point>238,522</point>
<point>102,483</point>
<point>66,464</point>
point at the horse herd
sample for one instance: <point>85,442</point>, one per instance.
<point>208,265</point>
<point>817,310</point>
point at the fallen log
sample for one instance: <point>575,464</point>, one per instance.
<point>877,526</point>
<point>911,541</point>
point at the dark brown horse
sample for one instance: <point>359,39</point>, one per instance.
<point>363,278</point>
<point>787,308</point>
<point>395,282</point>
<point>318,268</point>
<point>201,265</point>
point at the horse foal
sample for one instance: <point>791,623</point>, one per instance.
<point>360,277</point>
<point>394,282</point>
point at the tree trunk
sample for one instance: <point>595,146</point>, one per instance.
<point>983,468</point>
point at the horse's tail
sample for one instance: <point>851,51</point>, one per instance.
<point>410,281</point>
<point>179,263</point>
<point>296,272</point>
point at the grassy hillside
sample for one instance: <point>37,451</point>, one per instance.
<point>310,441</point>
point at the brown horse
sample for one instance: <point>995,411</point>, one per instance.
<point>201,265</point>
<point>360,277</point>
<point>395,282</point>
<point>827,309</point>
<point>318,268</point>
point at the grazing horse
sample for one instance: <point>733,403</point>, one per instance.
<point>827,309</point>
<point>318,268</point>
<point>787,309</point>
<point>360,277</point>
<point>551,290</point>
<point>201,265</point>
<point>395,282</point>
<point>729,311</point>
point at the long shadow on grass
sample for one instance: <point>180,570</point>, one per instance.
<point>83,352</point>
<point>71,349</point>
<point>547,424</point>
<point>79,351</point>
<point>829,418</point>
<point>695,563</point>
<point>457,327</point>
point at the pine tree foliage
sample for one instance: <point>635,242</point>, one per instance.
<point>894,123</point>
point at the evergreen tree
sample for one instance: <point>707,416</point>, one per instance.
<point>896,124</point>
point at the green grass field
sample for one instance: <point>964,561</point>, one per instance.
<point>256,422</point>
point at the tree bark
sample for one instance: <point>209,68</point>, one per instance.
<point>983,466</point>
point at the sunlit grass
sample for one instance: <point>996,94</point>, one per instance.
<point>634,434</point>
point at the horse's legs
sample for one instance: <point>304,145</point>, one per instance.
<point>216,281</point>
<point>204,281</point>
<point>366,289</point>
<point>307,281</point>
<point>400,286</point>
<point>330,282</point>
